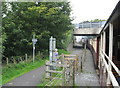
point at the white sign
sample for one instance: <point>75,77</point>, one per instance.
<point>34,41</point>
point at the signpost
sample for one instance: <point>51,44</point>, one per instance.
<point>52,46</point>
<point>50,49</point>
<point>34,42</point>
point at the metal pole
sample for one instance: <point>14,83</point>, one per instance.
<point>33,49</point>
<point>50,47</point>
<point>51,53</point>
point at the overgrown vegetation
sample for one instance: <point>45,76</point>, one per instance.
<point>14,70</point>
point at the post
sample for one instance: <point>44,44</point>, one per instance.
<point>62,59</point>
<point>50,49</point>
<point>51,52</point>
<point>63,82</point>
<point>85,51</point>
<point>54,43</point>
<point>73,73</point>
<point>81,64</point>
<point>21,59</point>
<point>34,42</point>
<point>110,49</point>
<point>67,76</point>
<point>39,53</point>
<point>33,49</point>
<point>53,48</point>
<point>14,60</point>
<point>7,60</point>
<point>47,69</point>
<point>100,51</point>
<point>26,57</point>
<point>104,45</point>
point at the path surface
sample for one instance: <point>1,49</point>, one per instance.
<point>32,78</point>
<point>88,77</point>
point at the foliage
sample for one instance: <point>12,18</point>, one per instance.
<point>60,51</point>
<point>23,19</point>
<point>95,20</point>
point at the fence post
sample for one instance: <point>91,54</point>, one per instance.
<point>21,59</point>
<point>63,83</point>
<point>73,73</point>
<point>81,64</point>
<point>7,60</point>
<point>85,51</point>
<point>39,53</point>
<point>47,69</point>
<point>67,81</point>
<point>26,57</point>
<point>62,59</point>
<point>14,60</point>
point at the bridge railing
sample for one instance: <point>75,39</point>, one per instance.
<point>92,24</point>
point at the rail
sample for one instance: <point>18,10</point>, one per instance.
<point>110,74</point>
<point>92,24</point>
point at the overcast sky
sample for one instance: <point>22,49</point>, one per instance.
<point>92,9</point>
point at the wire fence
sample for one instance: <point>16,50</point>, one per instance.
<point>18,59</point>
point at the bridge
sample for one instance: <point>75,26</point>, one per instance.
<point>89,29</point>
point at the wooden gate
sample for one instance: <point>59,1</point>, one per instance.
<point>69,65</point>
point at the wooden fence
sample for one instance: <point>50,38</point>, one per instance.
<point>69,65</point>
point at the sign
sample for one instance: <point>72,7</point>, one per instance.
<point>34,41</point>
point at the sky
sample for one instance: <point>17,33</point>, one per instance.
<point>83,10</point>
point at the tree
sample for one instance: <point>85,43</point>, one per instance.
<point>45,19</point>
<point>95,20</point>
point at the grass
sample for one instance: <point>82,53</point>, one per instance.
<point>60,51</point>
<point>0,79</point>
<point>54,82</point>
<point>12,71</point>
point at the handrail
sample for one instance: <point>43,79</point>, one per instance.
<point>112,77</point>
<point>114,66</point>
<point>106,65</point>
<point>113,80</point>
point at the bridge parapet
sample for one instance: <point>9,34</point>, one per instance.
<point>87,31</point>
<point>92,24</point>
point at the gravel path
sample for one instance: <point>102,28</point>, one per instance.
<point>88,77</point>
<point>32,78</point>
